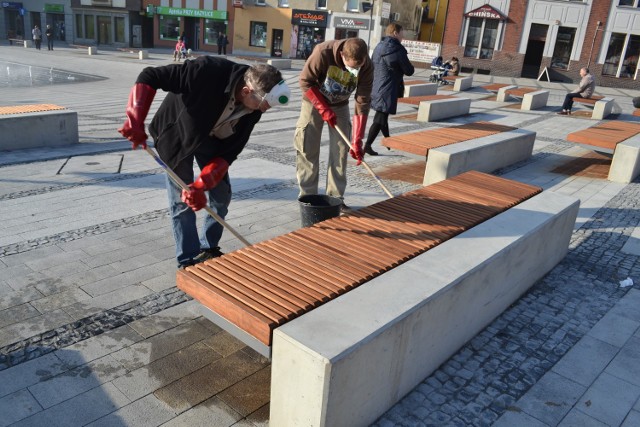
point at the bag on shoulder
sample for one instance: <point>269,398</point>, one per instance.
<point>401,89</point>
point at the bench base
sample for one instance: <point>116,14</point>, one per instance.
<point>481,154</point>
<point>460,83</point>
<point>602,107</point>
<point>38,129</point>
<point>625,166</point>
<point>439,109</point>
<point>280,64</point>
<point>420,89</point>
<point>326,368</point>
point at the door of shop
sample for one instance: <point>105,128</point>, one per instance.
<point>535,49</point>
<point>343,33</point>
<point>104,30</point>
<point>276,42</point>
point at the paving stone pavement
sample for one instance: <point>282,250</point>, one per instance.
<point>94,332</point>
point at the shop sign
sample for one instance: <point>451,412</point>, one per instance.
<point>419,51</point>
<point>53,8</point>
<point>11,5</point>
<point>352,23</point>
<point>311,18</point>
<point>191,13</point>
<point>237,3</point>
<point>485,11</point>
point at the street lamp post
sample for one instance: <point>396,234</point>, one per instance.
<point>370,21</point>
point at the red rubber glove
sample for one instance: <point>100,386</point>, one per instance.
<point>194,198</point>
<point>320,103</point>
<point>140,99</point>
<point>211,174</point>
<point>358,123</point>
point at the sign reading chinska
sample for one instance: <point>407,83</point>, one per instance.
<point>312,18</point>
<point>485,11</point>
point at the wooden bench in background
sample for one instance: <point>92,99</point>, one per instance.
<point>532,99</point>
<point>460,83</point>
<point>91,50</point>
<point>617,137</point>
<point>602,106</point>
<point>482,146</point>
<point>20,42</point>
<point>141,53</point>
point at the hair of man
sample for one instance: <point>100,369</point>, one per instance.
<point>355,48</point>
<point>262,77</point>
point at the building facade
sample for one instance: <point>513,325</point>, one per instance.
<point>547,39</point>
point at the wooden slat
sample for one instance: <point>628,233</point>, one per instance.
<point>589,101</point>
<point>520,91</point>
<point>605,135</point>
<point>416,100</point>
<point>636,112</point>
<point>261,287</point>
<point>29,108</point>
<point>494,87</point>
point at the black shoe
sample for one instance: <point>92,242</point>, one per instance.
<point>208,254</point>
<point>563,113</point>
<point>344,209</point>
<point>369,150</point>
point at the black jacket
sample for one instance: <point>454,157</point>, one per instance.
<point>198,92</point>
<point>390,64</point>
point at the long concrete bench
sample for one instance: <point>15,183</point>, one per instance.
<point>280,63</point>
<point>602,106</point>
<point>141,53</point>
<point>532,99</point>
<point>420,89</point>
<point>617,137</point>
<point>20,42</point>
<point>91,50</point>
<point>37,125</point>
<point>460,83</point>
<point>449,151</point>
<point>444,108</point>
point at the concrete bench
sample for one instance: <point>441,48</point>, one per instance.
<point>91,50</point>
<point>20,42</point>
<point>617,137</point>
<point>280,63</point>
<point>532,99</point>
<point>438,109</point>
<point>460,83</point>
<point>420,89</point>
<point>37,125</point>
<point>602,106</point>
<point>141,53</point>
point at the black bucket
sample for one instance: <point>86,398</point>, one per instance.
<point>315,208</point>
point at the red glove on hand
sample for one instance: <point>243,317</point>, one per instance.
<point>194,198</point>
<point>211,174</point>
<point>320,103</point>
<point>359,122</point>
<point>140,99</point>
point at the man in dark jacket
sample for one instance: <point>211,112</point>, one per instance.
<point>391,63</point>
<point>208,115</point>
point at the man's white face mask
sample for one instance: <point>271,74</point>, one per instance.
<point>353,71</point>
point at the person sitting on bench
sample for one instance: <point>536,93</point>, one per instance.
<point>585,90</point>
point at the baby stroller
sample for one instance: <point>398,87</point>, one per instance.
<point>438,74</point>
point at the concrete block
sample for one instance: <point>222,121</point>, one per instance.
<point>143,54</point>
<point>502,93</point>
<point>602,108</point>
<point>412,318</point>
<point>421,89</point>
<point>535,100</point>
<point>439,109</point>
<point>92,50</point>
<point>38,129</point>
<point>280,63</point>
<point>625,165</point>
<point>463,83</point>
<point>482,154</point>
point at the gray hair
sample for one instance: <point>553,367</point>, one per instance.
<point>262,77</point>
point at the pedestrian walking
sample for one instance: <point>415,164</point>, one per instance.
<point>37,36</point>
<point>390,64</point>
<point>207,116</point>
<point>223,41</point>
<point>335,70</point>
<point>49,33</point>
<point>584,90</point>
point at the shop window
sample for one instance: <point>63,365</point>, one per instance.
<point>119,24</point>
<point>321,4</point>
<point>89,27</point>
<point>79,27</point>
<point>482,35</point>
<point>353,5</point>
<point>211,30</point>
<point>622,56</point>
<point>169,27</point>
<point>563,48</point>
<point>261,3</point>
<point>283,3</point>
<point>258,34</point>
<point>632,3</point>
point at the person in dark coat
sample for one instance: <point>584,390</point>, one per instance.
<point>207,116</point>
<point>49,34</point>
<point>391,63</point>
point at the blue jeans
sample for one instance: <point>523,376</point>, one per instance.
<point>183,219</point>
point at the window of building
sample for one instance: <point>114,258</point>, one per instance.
<point>79,27</point>
<point>261,3</point>
<point>169,27</point>
<point>283,3</point>
<point>89,27</point>
<point>258,34</point>
<point>212,28</point>
<point>482,35</point>
<point>321,4</point>
<point>119,24</point>
<point>632,3</point>
<point>353,5</point>
<point>622,56</point>
<point>564,46</point>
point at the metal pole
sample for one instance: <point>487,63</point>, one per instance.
<point>373,2</point>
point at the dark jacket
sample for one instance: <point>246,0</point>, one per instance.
<point>199,90</point>
<point>391,64</point>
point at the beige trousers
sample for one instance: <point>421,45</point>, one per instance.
<point>307,140</point>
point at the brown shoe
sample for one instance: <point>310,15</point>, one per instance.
<point>564,113</point>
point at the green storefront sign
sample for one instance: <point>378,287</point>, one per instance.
<point>191,13</point>
<point>53,8</point>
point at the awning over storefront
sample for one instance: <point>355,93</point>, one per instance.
<point>487,12</point>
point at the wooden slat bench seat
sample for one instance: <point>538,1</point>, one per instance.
<point>494,87</point>
<point>532,98</point>
<point>602,106</point>
<point>32,125</point>
<point>415,82</point>
<point>261,287</point>
<point>416,100</point>
<point>460,83</point>
<point>620,138</point>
